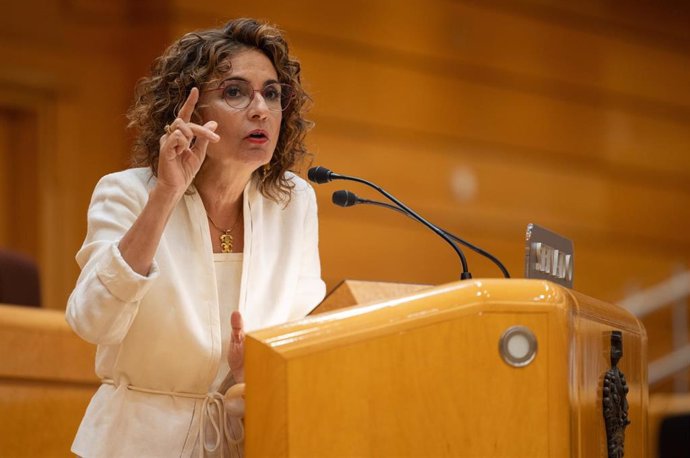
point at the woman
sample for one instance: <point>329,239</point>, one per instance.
<point>214,223</point>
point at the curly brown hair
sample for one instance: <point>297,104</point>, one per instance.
<point>201,57</point>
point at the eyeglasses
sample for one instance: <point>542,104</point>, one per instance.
<point>239,94</point>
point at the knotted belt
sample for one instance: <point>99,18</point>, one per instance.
<point>212,403</point>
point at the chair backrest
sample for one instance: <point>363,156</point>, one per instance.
<point>673,436</point>
<point>19,279</point>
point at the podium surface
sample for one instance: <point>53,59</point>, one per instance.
<point>423,375</point>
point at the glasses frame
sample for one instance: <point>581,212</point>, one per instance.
<point>286,94</point>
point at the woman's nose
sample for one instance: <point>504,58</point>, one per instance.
<point>258,106</point>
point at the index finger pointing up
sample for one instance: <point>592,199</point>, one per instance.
<point>188,107</point>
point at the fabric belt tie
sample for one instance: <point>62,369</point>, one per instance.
<point>212,403</point>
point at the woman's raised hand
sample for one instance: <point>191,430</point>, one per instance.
<point>183,147</point>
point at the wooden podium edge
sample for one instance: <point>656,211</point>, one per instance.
<point>348,293</point>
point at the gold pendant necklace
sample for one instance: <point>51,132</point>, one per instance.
<point>225,234</point>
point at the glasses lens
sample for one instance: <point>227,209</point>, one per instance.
<point>237,94</point>
<point>286,95</point>
<point>273,97</point>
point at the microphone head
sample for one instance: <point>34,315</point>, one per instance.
<point>345,198</point>
<point>319,175</point>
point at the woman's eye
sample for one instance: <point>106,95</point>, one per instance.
<point>233,92</point>
<point>271,93</point>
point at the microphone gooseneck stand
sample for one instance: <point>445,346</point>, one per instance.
<point>320,175</point>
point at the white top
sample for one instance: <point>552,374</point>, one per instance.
<point>228,267</point>
<point>159,336</point>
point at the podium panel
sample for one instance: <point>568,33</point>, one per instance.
<point>46,382</point>
<point>424,375</point>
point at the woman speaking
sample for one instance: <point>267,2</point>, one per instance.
<point>209,235</point>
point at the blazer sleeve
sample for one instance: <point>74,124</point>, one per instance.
<point>106,297</point>
<point>311,289</point>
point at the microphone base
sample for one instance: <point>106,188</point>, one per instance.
<point>465,276</point>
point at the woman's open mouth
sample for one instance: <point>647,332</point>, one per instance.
<point>257,136</point>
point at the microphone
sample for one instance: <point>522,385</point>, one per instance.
<point>348,199</point>
<point>345,198</point>
<point>320,175</point>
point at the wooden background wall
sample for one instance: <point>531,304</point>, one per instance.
<point>482,115</point>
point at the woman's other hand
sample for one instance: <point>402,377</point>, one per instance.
<point>183,147</point>
<point>236,350</point>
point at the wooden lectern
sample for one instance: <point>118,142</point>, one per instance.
<point>447,371</point>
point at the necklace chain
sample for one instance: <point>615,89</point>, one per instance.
<point>225,237</point>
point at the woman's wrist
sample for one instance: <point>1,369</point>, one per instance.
<point>166,194</point>
<point>238,375</point>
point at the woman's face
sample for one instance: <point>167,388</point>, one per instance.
<point>248,136</point>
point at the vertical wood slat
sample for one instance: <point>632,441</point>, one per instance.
<point>5,172</point>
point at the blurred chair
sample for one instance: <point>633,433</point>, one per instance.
<point>673,436</point>
<point>669,425</point>
<point>19,280</point>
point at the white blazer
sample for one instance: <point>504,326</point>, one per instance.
<point>159,337</point>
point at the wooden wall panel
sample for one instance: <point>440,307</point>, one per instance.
<point>365,244</point>
<point>24,189</point>
<point>507,188</point>
<point>624,233</point>
<point>5,173</point>
<point>432,105</point>
<point>660,24</point>
<point>24,195</point>
<point>70,69</point>
<point>495,42</point>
